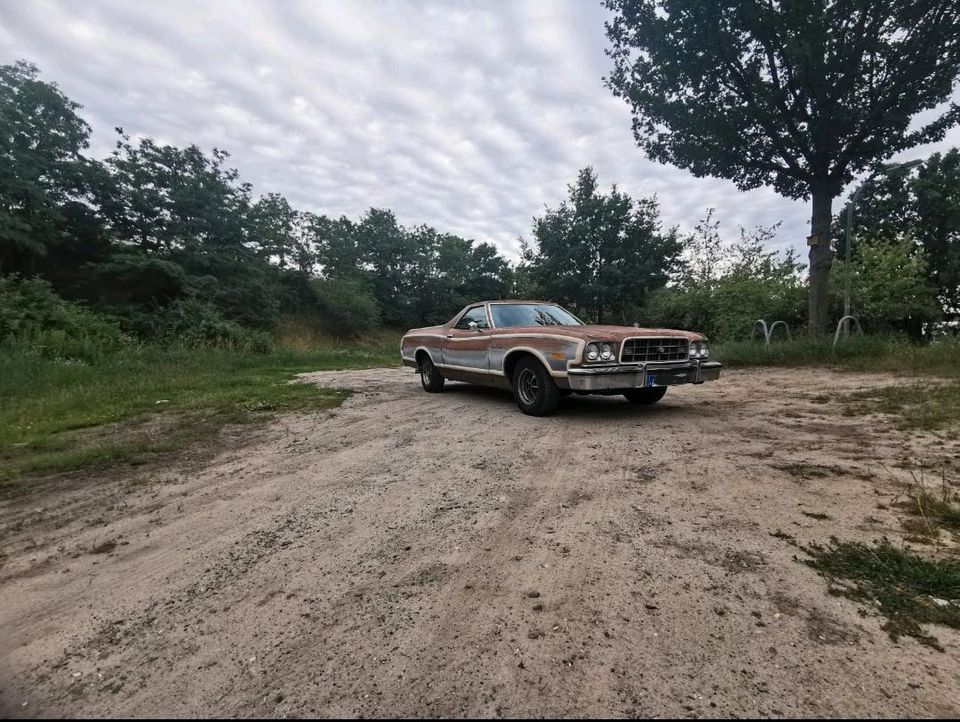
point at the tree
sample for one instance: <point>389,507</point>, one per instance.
<point>387,253</point>
<point>164,199</point>
<point>41,163</point>
<point>601,253</point>
<point>274,226</point>
<point>923,203</point>
<point>797,94</point>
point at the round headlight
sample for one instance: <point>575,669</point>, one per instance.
<point>593,352</point>
<point>704,351</point>
<point>606,352</point>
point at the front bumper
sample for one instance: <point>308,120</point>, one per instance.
<point>638,376</point>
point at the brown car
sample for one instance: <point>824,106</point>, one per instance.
<point>542,352</point>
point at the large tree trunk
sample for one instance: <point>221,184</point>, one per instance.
<point>821,258</point>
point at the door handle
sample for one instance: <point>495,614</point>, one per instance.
<point>449,335</point>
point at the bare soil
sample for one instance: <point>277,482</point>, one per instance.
<point>411,554</point>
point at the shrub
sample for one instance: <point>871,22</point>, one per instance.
<point>347,306</point>
<point>190,322</point>
<point>33,316</point>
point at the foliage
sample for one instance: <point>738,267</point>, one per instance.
<point>888,283</point>
<point>190,322</point>
<point>347,306</point>
<point>41,166</point>
<point>922,203</point>
<point>723,288</point>
<point>33,316</point>
<point>797,96</point>
<point>601,254</point>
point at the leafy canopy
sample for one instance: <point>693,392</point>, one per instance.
<point>789,93</point>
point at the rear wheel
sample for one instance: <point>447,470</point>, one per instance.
<point>429,376</point>
<point>534,388</point>
<point>645,396</point>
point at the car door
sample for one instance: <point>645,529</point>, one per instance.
<point>466,344</point>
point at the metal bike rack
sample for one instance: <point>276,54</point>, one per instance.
<point>842,327</point>
<point>767,331</point>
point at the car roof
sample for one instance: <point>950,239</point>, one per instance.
<point>516,301</point>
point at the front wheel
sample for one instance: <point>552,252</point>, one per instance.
<point>645,396</point>
<point>429,376</point>
<point>534,388</point>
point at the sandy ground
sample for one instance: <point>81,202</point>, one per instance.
<point>427,555</point>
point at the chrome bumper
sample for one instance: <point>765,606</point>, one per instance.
<point>638,376</point>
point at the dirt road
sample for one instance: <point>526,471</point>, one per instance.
<point>416,554</point>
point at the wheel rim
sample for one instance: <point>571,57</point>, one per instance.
<point>528,387</point>
<point>426,373</point>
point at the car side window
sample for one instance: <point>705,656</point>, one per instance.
<point>477,315</point>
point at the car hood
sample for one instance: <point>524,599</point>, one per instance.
<point>599,332</point>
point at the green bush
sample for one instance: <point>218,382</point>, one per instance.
<point>889,284</point>
<point>347,306</point>
<point>192,323</point>
<point>34,317</point>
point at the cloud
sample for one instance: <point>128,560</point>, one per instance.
<point>470,117</point>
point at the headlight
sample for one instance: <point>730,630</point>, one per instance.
<point>699,350</point>
<point>593,352</point>
<point>606,352</point>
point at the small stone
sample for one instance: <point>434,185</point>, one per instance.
<point>533,594</point>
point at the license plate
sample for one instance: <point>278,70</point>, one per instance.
<point>669,378</point>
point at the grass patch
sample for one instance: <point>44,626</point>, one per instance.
<point>61,414</point>
<point>907,589</point>
<point>857,353</point>
<point>915,406</point>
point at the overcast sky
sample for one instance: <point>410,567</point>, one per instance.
<point>467,116</point>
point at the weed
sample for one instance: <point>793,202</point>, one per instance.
<point>930,508</point>
<point>907,589</point>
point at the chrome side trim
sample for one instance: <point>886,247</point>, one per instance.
<point>470,369</point>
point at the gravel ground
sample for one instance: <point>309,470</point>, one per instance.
<point>413,554</point>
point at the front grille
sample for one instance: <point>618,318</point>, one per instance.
<point>642,350</point>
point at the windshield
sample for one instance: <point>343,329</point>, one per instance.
<point>506,315</point>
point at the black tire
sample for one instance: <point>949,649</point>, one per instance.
<point>645,396</point>
<point>430,377</point>
<point>534,388</point>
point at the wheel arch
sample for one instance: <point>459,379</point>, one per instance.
<point>514,356</point>
<point>421,353</point>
